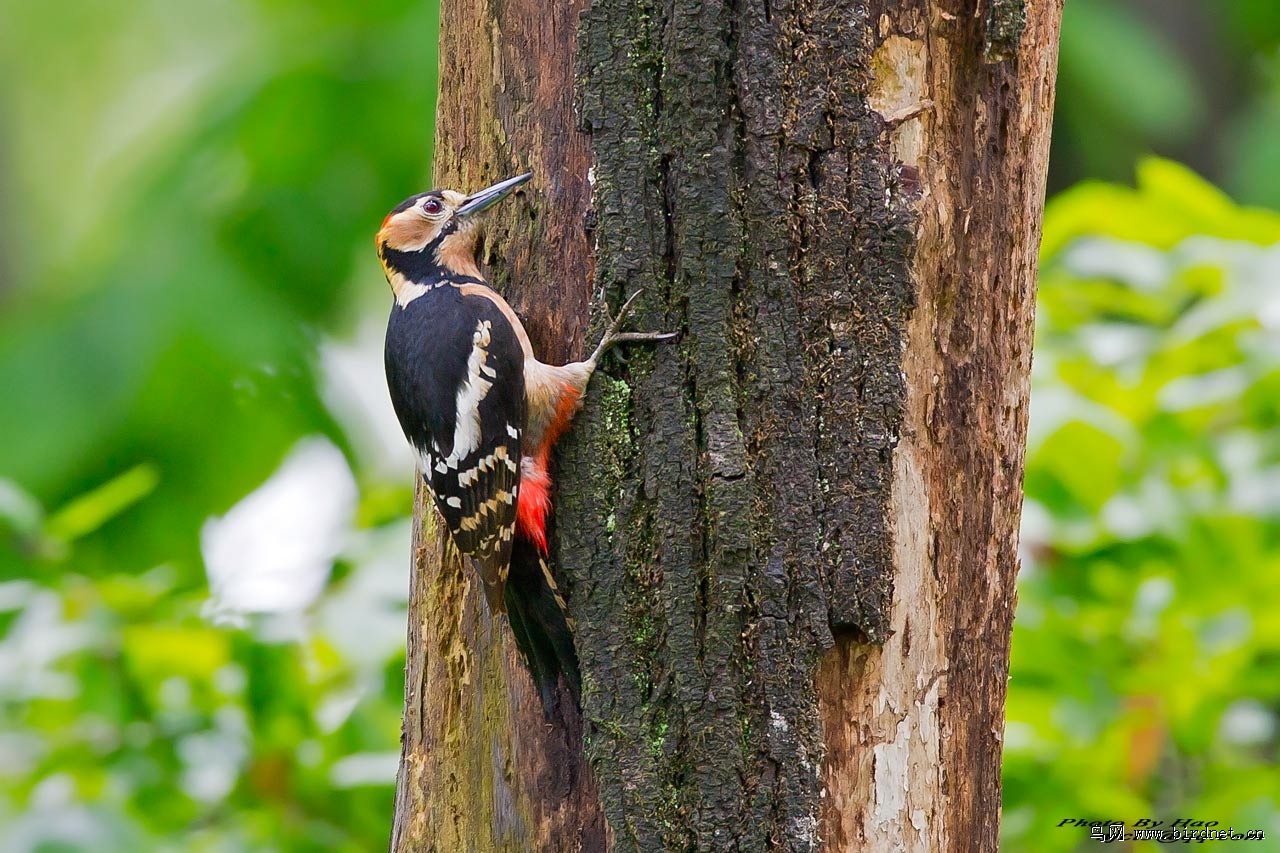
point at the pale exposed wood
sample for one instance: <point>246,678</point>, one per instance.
<point>914,727</point>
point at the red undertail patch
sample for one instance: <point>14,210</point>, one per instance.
<point>534,502</point>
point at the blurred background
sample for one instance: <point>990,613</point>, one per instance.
<point>204,495</point>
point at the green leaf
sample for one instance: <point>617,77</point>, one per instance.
<point>1085,460</point>
<point>90,511</point>
<point>1170,204</point>
<point>156,652</point>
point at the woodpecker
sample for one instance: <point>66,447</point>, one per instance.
<point>482,412</point>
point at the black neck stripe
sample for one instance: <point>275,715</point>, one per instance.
<point>421,266</point>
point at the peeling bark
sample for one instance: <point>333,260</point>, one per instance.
<point>932,697</point>
<point>789,541</point>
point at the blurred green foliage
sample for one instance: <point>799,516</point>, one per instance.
<point>187,195</point>
<point>189,192</point>
<point>1146,653</point>
<point>1195,80</point>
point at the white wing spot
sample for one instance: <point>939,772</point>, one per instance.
<point>454,502</point>
<point>466,431</point>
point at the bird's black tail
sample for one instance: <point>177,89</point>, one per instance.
<point>541,627</point>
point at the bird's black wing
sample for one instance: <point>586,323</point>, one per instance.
<point>455,370</point>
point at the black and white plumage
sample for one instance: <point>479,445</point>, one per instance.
<point>483,413</point>
<point>457,359</point>
<point>455,370</point>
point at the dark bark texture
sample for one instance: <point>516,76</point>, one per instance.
<point>788,541</point>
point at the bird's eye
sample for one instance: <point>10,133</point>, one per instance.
<point>432,205</point>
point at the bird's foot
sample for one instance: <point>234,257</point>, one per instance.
<point>613,337</point>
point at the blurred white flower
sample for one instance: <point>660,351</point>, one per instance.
<point>365,768</point>
<point>1153,597</point>
<point>272,552</point>
<point>1137,265</point>
<point>1247,722</point>
<point>355,390</point>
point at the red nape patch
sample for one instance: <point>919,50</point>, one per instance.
<point>534,502</point>
<point>387,219</point>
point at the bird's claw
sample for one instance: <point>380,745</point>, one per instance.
<point>613,337</point>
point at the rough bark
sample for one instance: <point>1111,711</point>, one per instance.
<point>789,541</point>
<point>481,769</point>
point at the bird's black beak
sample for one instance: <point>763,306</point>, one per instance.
<point>489,196</point>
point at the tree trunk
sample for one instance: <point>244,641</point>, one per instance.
<point>788,542</point>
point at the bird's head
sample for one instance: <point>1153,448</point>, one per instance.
<point>433,235</point>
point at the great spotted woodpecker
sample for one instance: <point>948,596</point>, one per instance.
<point>482,412</point>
